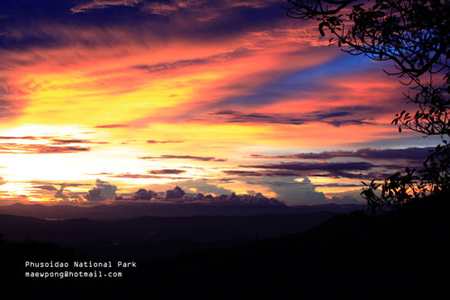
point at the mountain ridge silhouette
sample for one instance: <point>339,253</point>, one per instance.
<point>397,255</point>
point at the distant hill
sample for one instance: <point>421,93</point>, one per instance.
<point>196,228</point>
<point>128,210</point>
<point>398,255</point>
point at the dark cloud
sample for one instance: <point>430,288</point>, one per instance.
<point>247,173</point>
<point>74,141</point>
<point>413,154</point>
<point>190,157</point>
<point>102,4</point>
<point>94,195</point>
<point>232,116</point>
<point>337,117</point>
<point>107,190</point>
<point>233,198</point>
<point>362,164</point>
<point>23,29</point>
<point>337,185</point>
<point>178,195</point>
<point>378,175</point>
<point>244,173</point>
<point>60,194</point>
<point>360,170</point>
<point>325,166</point>
<point>169,66</point>
<point>392,140</point>
<point>211,19</point>
<point>56,145</point>
<point>339,123</point>
<point>12,148</point>
<point>32,138</point>
<point>166,172</point>
<point>143,194</point>
<point>349,115</point>
<point>70,141</point>
<point>359,175</point>
<point>101,192</point>
<point>166,8</point>
<point>47,187</point>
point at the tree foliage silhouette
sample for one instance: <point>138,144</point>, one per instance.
<point>414,36</point>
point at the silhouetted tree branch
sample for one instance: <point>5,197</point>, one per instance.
<point>414,36</point>
<point>412,33</point>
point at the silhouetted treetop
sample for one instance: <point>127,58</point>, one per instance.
<point>414,36</point>
<point>412,33</point>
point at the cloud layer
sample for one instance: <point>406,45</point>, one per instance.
<point>133,94</point>
<point>180,196</point>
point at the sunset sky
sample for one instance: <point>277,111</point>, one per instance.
<point>212,96</point>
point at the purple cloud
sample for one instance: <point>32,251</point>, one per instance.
<point>413,154</point>
<point>166,172</point>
